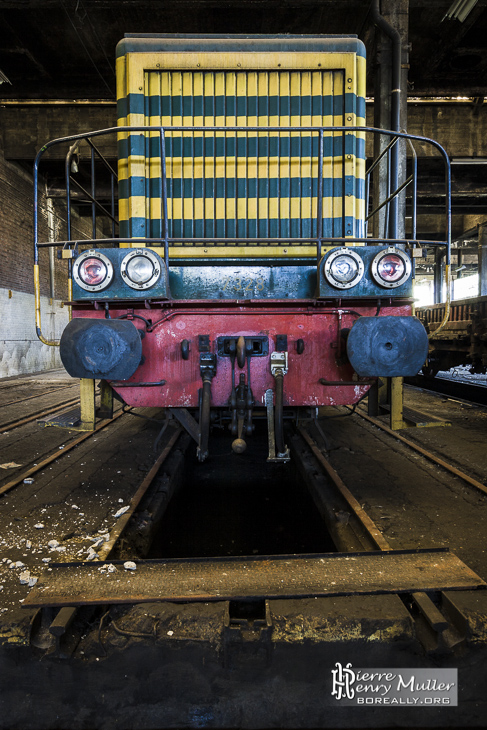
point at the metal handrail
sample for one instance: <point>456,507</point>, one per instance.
<point>320,239</point>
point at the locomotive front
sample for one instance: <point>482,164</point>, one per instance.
<point>242,281</point>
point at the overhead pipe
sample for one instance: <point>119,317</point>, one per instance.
<point>395,38</point>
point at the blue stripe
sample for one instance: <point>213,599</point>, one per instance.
<point>252,228</point>
<point>243,147</point>
<point>295,187</point>
<point>244,106</point>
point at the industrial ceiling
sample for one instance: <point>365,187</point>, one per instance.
<point>65,49</point>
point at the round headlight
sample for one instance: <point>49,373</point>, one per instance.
<point>141,268</point>
<point>391,268</point>
<point>92,271</point>
<point>343,268</point>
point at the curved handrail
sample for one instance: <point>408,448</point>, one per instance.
<point>162,131</point>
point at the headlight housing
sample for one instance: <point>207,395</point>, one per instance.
<point>343,268</point>
<point>391,268</point>
<point>140,269</point>
<point>93,271</point>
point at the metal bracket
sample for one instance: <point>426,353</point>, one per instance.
<point>279,362</point>
<point>247,642</point>
<point>207,365</point>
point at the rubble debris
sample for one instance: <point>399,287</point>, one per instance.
<point>24,577</point>
<point>129,565</point>
<point>121,511</point>
<point>39,526</point>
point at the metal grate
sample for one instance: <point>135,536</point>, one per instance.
<point>245,184</point>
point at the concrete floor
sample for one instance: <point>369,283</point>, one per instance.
<point>414,502</point>
<point>168,665</point>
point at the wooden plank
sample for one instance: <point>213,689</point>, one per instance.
<point>284,576</point>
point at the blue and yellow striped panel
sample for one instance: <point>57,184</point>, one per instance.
<point>240,184</point>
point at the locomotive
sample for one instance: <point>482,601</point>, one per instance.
<point>242,281</point>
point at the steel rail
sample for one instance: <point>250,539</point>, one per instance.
<point>427,454</point>
<point>38,395</point>
<point>422,600</point>
<point>369,525</point>
<point>464,391</point>
<point>123,521</point>
<point>57,454</point>
<point>9,426</point>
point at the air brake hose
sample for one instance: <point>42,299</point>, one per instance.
<point>205,419</point>
<point>279,409</point>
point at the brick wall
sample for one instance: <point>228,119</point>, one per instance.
<point>16,232</point>
<point>20,349</point>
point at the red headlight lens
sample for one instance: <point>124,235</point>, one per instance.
<point>391,268</point>
<point>93,271</point>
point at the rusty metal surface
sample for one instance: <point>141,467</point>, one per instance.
<point>285,576</point>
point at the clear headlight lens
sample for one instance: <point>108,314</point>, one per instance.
<point>140,269</point>
<point>343,268</point>
<point>93,271</point>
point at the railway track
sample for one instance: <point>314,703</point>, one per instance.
<point>10,425</point>
<point>459,389</point>
<point>56,455</point>
<point>352,530</point>
<point>424,452</point>
<point>57,389</point>
<point>351,527</point>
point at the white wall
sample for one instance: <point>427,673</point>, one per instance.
<point>20,349</point>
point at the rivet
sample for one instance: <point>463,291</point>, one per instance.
<point>349,119</point>
<point>205,250</point>
<point>158,65</point>
<point>349,81</point>
<point>140,88</point>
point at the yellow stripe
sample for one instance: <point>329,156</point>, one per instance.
<point>247,167</point>
<point>208,250</point>
<point>247,74</point>
<point>214,61</point>
<point>224,208</point>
